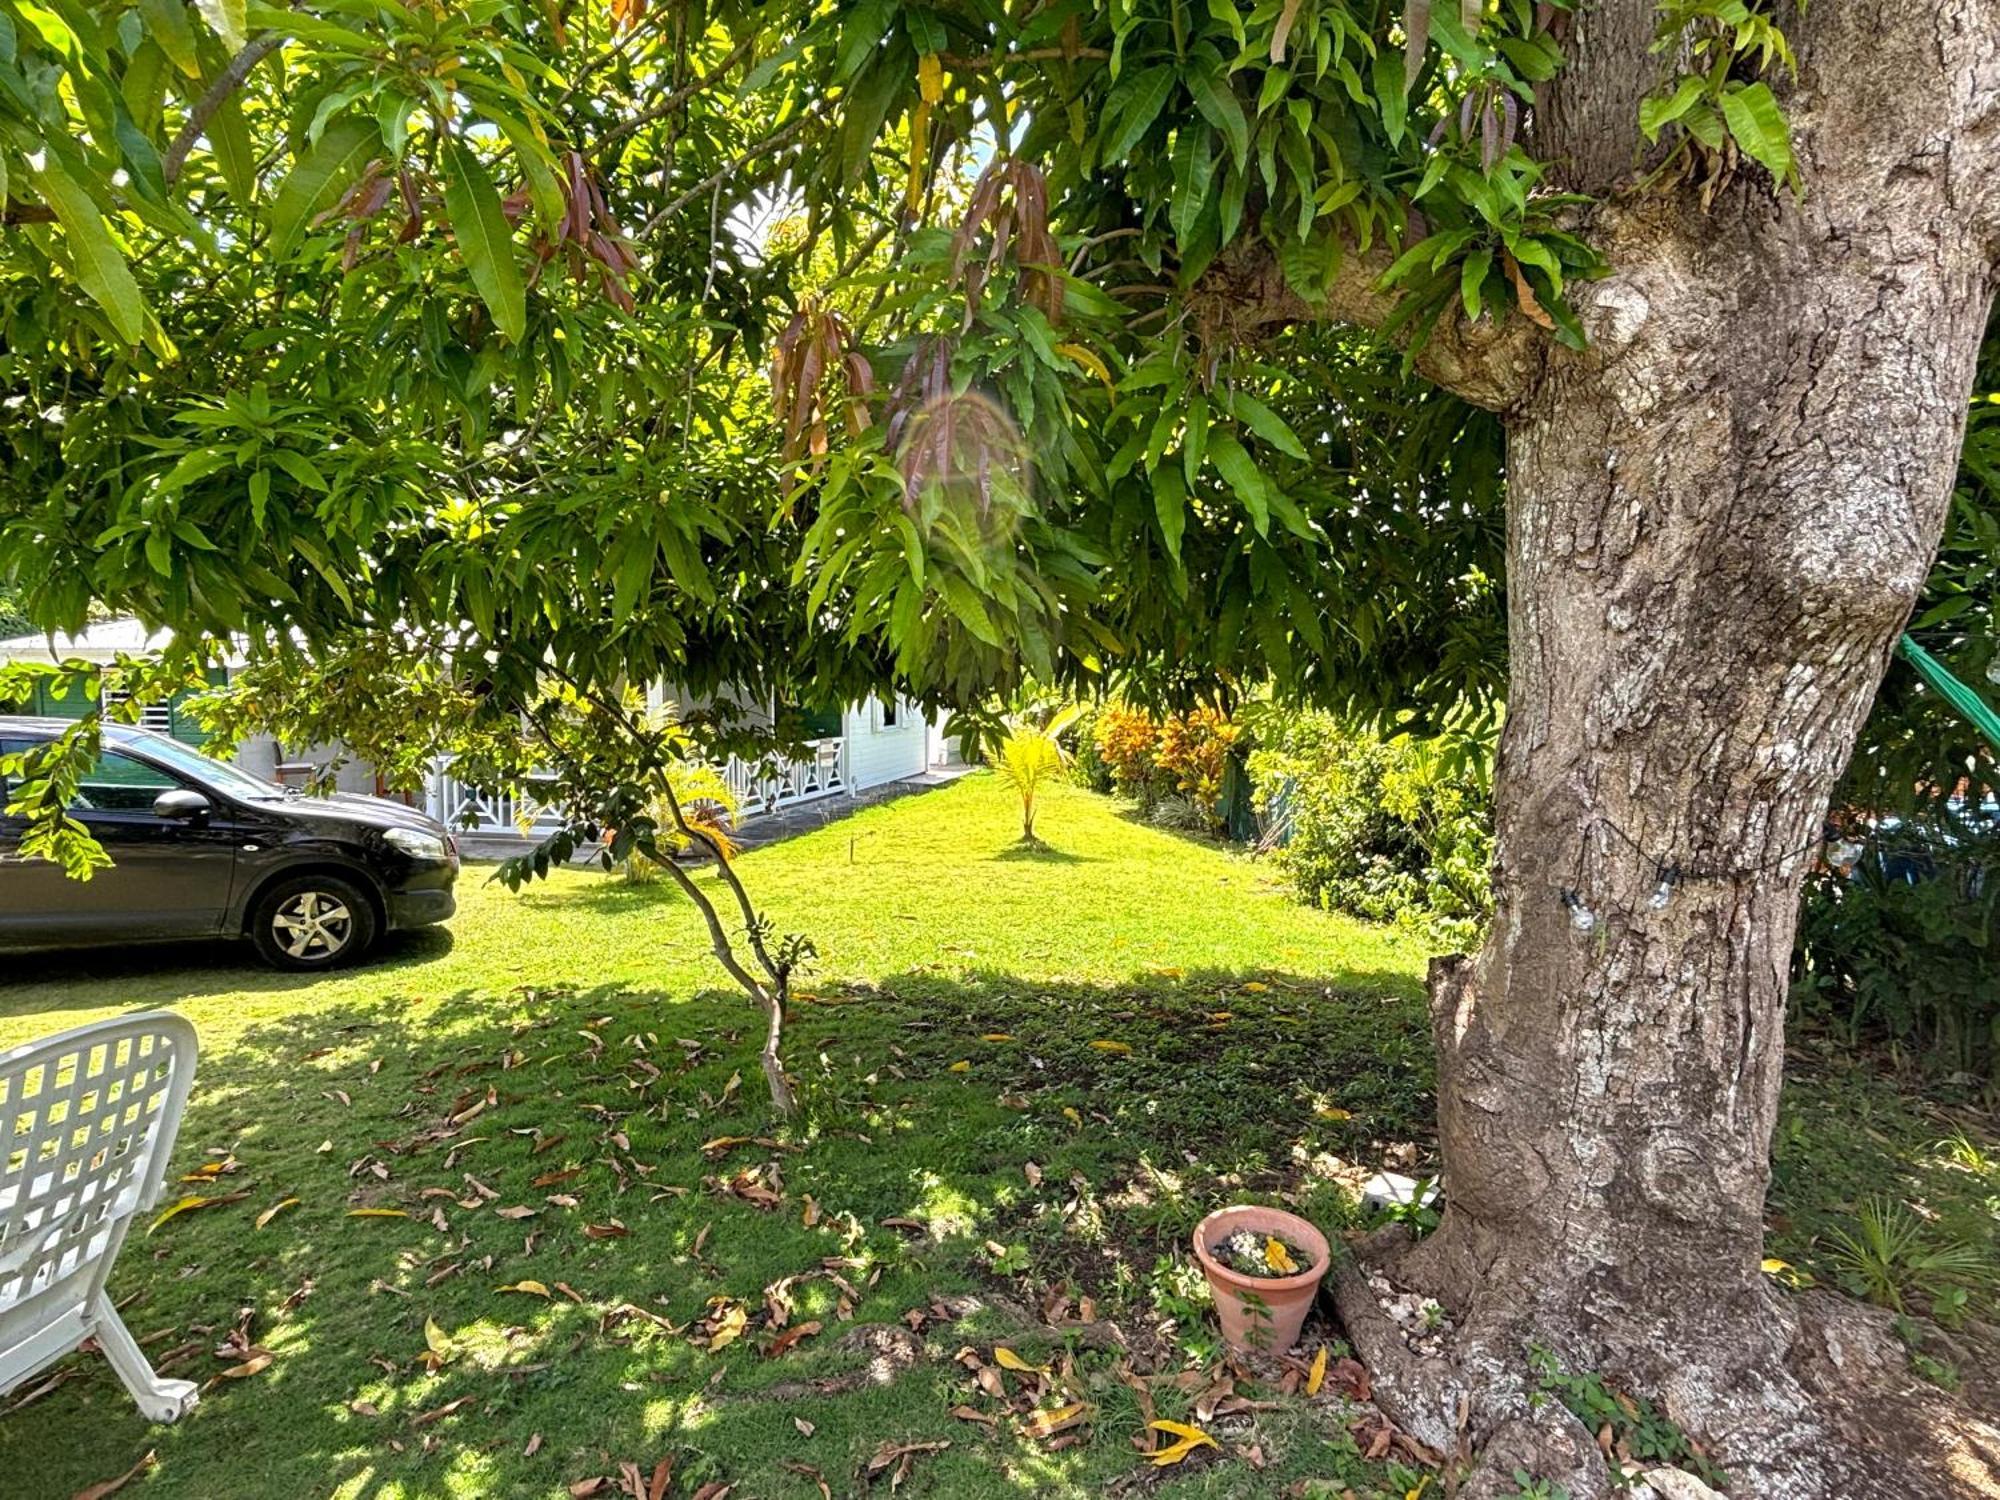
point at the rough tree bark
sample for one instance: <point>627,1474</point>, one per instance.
<point>1720,515</point>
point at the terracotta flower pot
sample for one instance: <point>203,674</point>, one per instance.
<point>1259,1312</point>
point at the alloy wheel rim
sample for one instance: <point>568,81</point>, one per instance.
<point>313,925</point>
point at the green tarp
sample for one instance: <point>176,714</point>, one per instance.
<point>1969,704</point>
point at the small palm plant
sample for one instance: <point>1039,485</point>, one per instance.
<point>1030,758</point>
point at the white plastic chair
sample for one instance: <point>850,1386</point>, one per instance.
<point>87,1121</point>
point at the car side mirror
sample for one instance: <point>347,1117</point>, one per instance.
<point>181,805</point>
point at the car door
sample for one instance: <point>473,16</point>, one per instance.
<point>169,877</point>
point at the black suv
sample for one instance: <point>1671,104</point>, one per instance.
<point>201,849</point>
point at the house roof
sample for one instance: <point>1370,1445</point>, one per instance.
<point>101,642</point>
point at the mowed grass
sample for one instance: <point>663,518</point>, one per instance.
<point>1042,1067</point>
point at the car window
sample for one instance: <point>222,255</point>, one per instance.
<point>118,783</point>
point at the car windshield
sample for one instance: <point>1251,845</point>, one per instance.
<point>219,774</point>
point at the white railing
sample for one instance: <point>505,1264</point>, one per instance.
<point>765,786</point>
<point>760,787</point>
<point>467,809</point>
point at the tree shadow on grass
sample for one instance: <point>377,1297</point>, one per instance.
<point>187,970</point>
<point>1041,854</point>
<point>632,1126</point>
<point>591,1107</point>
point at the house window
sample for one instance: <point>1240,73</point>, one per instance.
<point>889,713</point>
<point>155,716</point>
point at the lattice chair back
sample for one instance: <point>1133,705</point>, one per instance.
<point>89,1118</point>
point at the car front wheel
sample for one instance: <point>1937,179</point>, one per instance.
<point>312,922</point>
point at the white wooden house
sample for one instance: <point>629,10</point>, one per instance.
<point>863,745</point>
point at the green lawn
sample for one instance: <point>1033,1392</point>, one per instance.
<point>578,1036</point>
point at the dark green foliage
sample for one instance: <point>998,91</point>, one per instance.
<point>1907,950</point>
<point>1391,828</point>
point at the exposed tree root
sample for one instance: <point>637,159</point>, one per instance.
<point>1813,1401</point>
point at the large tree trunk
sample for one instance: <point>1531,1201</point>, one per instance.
<point>1720,514</point>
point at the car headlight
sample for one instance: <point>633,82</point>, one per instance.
<point>416,844</point>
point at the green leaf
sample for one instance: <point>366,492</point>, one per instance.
<point>1657,113</point>
<point>225,19</point>
<point>1236,466</point>
<point>1758,124</point>
<point>1218,105</point>
<point>229,134</point>
<point>1170,509</point>
<point>95,257</point>
<point>167,24</point>
<point>1266,423</point>
<point>1390,96</point>
<point>477,223</point>
<point>1135,104</point>
<point>319,177</point>
<point>1194,171</point>
<point>1471,280</point>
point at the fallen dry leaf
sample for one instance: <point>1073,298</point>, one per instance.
<point>532,1288</point>
<point>791,1336</point>
<point>1316,1377</point>
<point>534,1446</point>
<point>1007,1359</point>
<point>1110,1046</point>
<point>1187,1439</point>
<point>113,1486</point>
<point>806,1429</point>
<point>378,1213</point>
<point>249,1367</point>
<point>1050,1421</point>
<point>439,1413</point>
<point>193,1202</point>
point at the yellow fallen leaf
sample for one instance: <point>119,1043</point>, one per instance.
<point>726,1326</point>
<point>1278,1258</point>
<point>1007,1359</point>
<point>532,1288</point>
<point>1772,1265</point>
<point>961,1066</point>
<point>274,1210</point>
<point>192,1201</point>
<point>723,1143</point>
<point>1104,1046</point>
<point>378,1213</point>
<point>1334,1114</point>
<point>1255,987</point>
<point>437,1341</point>
<point>1316,1377</point>
<point>1073,1117</point>
<point>1167,972</point>
<point>1188,1439</point>
<point>996,1036</point>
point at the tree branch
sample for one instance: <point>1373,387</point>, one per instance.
<point>1489,363</point>
<point>227,82</point>
<point>679,96</point>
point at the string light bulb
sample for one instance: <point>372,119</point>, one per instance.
<point>1581,917</point>
<point>1664,891</point>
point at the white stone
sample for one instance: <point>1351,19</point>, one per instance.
<point>1387,1188</point>
<point>1678,1484</point>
